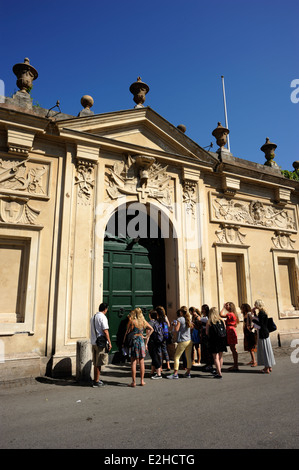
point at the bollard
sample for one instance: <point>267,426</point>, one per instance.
<point>83,361</point>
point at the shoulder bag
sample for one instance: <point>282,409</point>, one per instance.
<point>101,340</point>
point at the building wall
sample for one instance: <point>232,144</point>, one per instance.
<point>55,205</point>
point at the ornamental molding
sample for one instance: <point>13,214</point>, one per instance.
<point>254,214</point>
<point>140,176</point>
<point>19,141</point>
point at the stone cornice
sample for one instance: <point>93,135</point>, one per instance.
<point>255,173</point>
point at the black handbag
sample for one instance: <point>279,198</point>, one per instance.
<point>101,341</point>
<point>129,339</point>
<point>271,325</point>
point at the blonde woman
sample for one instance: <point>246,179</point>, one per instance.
<point>265,354</point>
<point>217,339</point>
<point>183,327</point>
<point>138,324</point>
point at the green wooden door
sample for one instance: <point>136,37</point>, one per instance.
<point>134,276</point>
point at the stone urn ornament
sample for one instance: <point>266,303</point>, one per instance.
<point>269,150</point>
<point>296,166</point>
<point>25,74</point>
<point>139,89</point>
<point>220,134</point>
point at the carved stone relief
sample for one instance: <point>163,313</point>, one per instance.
<point>189,196</point>
<point>85,181</point>
<point>254,213</point>
<point>283,241</point>
<point>140,176</point>
<point>15,210</point>
<point>230,234</point>
<point>25,176</point>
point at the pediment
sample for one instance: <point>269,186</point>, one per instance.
<point>144,136</point>
<point>140,127</point>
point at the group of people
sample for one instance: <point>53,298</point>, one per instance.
<point>206,333</point>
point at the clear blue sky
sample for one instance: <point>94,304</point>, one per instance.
<point>180,49</point>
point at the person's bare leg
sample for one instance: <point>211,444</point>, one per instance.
<point>133,371</point>
<point>97,372</point>
<point>142,370</point>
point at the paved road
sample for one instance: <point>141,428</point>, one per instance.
<point>244,410</point>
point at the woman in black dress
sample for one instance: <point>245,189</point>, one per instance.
<point>217,339</point>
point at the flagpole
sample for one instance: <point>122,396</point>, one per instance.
<point>225,111</point>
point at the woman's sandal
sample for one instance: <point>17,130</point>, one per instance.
<point>132,385</point>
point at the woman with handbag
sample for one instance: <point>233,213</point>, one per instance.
<point>265,354</point>
<point>217,339</point>
<point>137,324</point>
<point>250,335</point>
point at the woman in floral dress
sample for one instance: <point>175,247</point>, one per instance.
<point>138,324</point>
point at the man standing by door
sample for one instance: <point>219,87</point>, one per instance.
<point>99,327</point>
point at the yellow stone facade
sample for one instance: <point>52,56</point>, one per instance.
<point>232,227</point>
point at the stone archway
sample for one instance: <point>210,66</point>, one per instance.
<point>138,262</point>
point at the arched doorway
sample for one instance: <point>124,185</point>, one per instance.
<point>134,272</point>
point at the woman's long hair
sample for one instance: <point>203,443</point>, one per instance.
<point>246,308</point>
<point>232,308</point>
<point>161,314</point>
<point>186,315</point>
<point>137,315</point>
<point>205,308</point>
<point>214,316</point>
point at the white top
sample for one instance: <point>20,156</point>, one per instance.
<point>99,320</point>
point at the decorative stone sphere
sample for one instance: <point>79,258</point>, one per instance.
<point>87,101</point>
<point>182,127</point>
